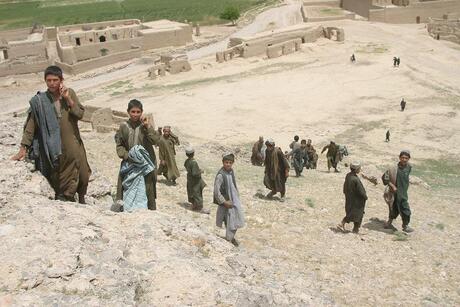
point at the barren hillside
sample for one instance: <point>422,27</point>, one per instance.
<point>290,254</point>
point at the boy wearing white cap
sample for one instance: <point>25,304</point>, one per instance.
<point>195,184</point>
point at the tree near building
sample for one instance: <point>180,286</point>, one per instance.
<point>231,13</point>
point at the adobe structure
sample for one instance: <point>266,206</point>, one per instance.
<point>23,51</point>
<point>88,46</point>
<point>447,28</point>
<point>402,11</point>
<point>85,47</point>
<point>173,64</point>
<point>278,42</point>
<point>323,10</point>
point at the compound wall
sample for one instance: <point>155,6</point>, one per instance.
<point>17,68</point>
<point>444,29</point>
<point>83,66</point>
<point>415,13</point>
<point>360,7</point>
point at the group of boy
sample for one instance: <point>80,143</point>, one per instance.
<point>51,138</point>
<point>396,181</point>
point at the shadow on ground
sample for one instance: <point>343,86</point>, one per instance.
<point>377,224</point>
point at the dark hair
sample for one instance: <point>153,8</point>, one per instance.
<point>303,142</point>
<point>404,153</point>
<point>230,157</point>
<point>296,138</point>
<point>54,70</point>
<point>190,154</point>
<point>134,103</point>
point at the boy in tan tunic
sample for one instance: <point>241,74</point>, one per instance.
<point>167,150</point>
<point>52,136</point>
<point>138,131</point>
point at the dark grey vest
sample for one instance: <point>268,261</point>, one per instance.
<point>223,188</point>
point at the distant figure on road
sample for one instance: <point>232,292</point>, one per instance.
<point>403,105</point>
<point>353,58</point>
<point>387,137</point>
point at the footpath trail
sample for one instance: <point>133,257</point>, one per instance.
<point>278,17</point>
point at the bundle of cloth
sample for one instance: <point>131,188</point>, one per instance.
<point>133,171</point>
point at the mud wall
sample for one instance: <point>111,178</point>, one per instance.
<point>419,11</point>
<point>87,65</point>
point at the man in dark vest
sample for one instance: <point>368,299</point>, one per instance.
<point>396,179</point>
<point>355,199</point>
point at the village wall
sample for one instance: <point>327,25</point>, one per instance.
<point>278,42</point>
<point>65,54</point>
<point>20,44</point>
<point>25,51</point>
<point>416,12</point>
<point>96,44</point>
<point>90,37</point>
<point>51,33</point>
<point>153,39</point>
<point>86,65</point>
<point>18,67</point>
<point>100,25</point>
<point>15,35</point>
<point>360,7</point>
<point>444,29</point>
<point>258,45</point>
<point>331,3</point>
<point>28,49</point>
<point>96,50</point>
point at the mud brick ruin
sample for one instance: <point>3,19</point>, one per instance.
<point>402,11</point>
<point>446,28</point>
<point>23,51</point>
<point>278,42</point>
<point>86,46</point>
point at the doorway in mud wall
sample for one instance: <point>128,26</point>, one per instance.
<point>4,55</point>
<point>417,19</point>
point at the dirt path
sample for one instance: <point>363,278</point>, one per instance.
<point>278,17</point>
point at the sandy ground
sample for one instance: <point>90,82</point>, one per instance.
<point>317,93</point>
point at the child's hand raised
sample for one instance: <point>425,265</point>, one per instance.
<point>145,121</point>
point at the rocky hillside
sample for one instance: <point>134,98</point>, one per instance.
<point>60,253</point>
